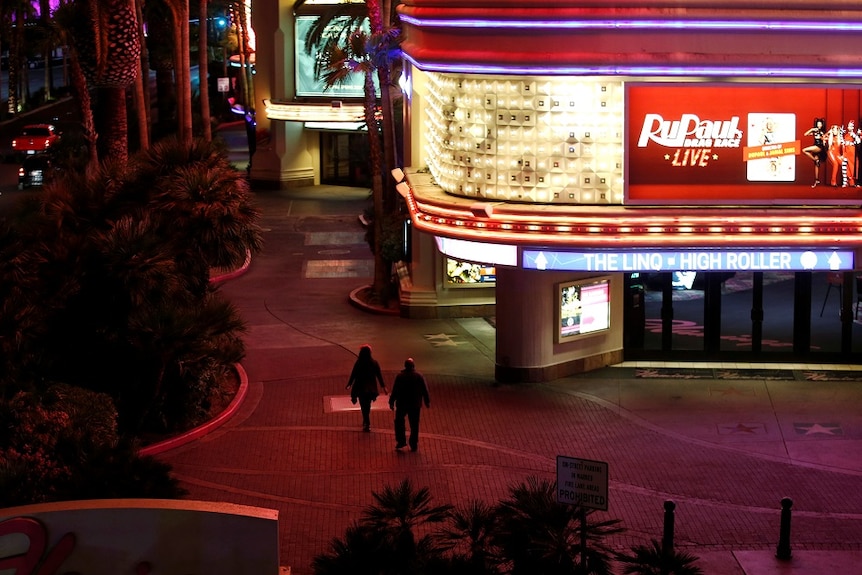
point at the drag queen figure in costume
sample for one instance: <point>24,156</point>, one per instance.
<point>851,140</point>
<point>835,153</point>
<point>817,151</point>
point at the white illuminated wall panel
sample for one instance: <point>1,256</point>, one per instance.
<point>527,139</point>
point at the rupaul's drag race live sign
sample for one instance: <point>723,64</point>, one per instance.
<point>737,144</point>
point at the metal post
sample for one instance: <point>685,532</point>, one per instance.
<point>783,550</point>
<point>584,539</point>
<point>667,536</point>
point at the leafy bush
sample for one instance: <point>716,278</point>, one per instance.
<point>64,445</point>
<point>106,286</point>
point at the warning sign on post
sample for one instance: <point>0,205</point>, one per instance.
<point>582,482</point>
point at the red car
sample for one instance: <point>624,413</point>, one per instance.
<point>35,138</point>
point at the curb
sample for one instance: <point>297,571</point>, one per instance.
<point>358,303</point>
<point>233,273</point>
<point>206,428</point>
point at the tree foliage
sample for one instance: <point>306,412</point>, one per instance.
<point>652,560</point>
<point>63,444</point>
<point>108,284</point>
<point>527,532</point>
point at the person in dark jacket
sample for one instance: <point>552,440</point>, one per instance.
<point>363,384</point>
<point>408,393</point>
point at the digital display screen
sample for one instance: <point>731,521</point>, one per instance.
<point>462,272</point>
<point>742,144</point>
<point>584,307</point>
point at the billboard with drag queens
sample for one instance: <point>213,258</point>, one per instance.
<point>737,144</point>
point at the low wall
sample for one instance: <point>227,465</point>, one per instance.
<point>140,537</point>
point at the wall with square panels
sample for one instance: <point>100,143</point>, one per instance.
<point>526,139</point>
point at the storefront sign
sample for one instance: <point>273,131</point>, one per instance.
<point>690,260</point>
<point>742,144</point>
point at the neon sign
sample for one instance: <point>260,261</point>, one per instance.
<point>741,144</point>
<point>689,260</point>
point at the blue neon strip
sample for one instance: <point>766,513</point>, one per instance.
<point>739,25</point>
<point>674,71</point>
<point>689,260</point>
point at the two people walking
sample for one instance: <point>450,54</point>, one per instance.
<point>409,393</point>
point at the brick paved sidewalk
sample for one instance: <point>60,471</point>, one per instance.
<point>291,448</point>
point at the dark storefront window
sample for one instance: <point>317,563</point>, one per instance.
<point>744,315</point>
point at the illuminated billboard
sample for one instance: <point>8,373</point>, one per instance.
<point>307,83</point>
<point>733,144</point>
<point>462,273</point>
<point>583,308</point>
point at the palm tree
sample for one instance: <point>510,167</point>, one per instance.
<point>142,89</point>
<point>69,23</point>
<point>539,535</point>
<point>109,51</point>
<point>119,270</point>
<point>362,551</point>
<point>383,541</point>
<point>204,198</point>
<point>398,512</point>
<point>15,13</point>
<point>339,58</point>
<point>47,47</point>
<point>203,74</point>
<point>161,59</point>
<point>469,534</point>
<point>182,66</point>
<point>652,560</point>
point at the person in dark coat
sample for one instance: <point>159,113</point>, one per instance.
<point>409,392</point>
<point>363,384</point>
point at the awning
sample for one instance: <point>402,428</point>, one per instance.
<point>334,111</point>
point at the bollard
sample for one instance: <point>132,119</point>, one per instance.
<point>667,536</point>
<point>783,550</point>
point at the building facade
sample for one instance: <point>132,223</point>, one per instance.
<point>646,179</point>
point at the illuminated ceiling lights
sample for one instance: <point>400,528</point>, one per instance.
<point>335,111</point>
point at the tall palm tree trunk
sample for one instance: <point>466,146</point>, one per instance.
<point>182,68</point>
<point>142,87</point>
<point>79,87</point>
<point>116,140</point>
<point>15,65</point>
<point>381,274</point>
<point>203,70</point>
<point>45,19</point>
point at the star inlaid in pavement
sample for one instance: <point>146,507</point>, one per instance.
<point>443,340</point>
<point>817,428</point>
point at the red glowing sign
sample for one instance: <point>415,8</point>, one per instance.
<point>727,144</point>
<point>37,559</point>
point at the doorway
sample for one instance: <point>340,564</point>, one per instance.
<point>344,159</point>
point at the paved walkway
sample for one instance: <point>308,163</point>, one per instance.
<point>725,450</point>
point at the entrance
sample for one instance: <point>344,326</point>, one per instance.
<point>743,316</point>
<point>344,159</point>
